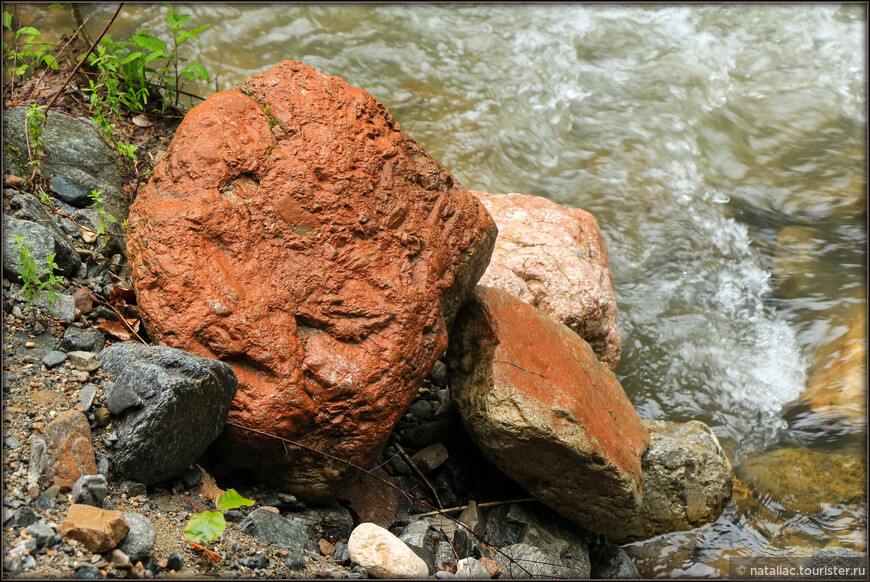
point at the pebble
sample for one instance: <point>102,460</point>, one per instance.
<point>11,443</point>
<point>174,562</point>
<point>86,397</point>
<point>54,359</point>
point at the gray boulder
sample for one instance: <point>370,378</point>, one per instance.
<point>42,241</point>
<point>72,148</point>
<point>274,529</point>
<point>687,480</point>
<point>82,340</point>
<point>185,403</point>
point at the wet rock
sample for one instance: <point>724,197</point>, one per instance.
<point>99,530</point>
<point>373,501</point>
<point>85,361</point>
<point>797,250</point>
<point>42,533</point>
<point>185,403</point>
<point>54,359</point>
<point>835,402</point>
<point>687,480</point>
<point>71,148</point>
<point>382,554</point>
<point>368,251</point>
<point>90,490</point>
<point>430,458</point>
<point>840,195</point>
<point>69,452</point>
<point>42,240</point>
<point>538,404</point>
<point>611,562</point>
<point>555,258</point>
<point>274,529</point>
<point>804,480</point>
<point>525,561</point>
<point>175,561</point>
<point>82,340</point>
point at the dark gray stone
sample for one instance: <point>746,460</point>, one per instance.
<point>43,534</point>
<point>71,191</point>
<point>13,565</point>
<point>90,490</point>
<point>341,555</point>
<point>82,340</point>
<point>140,539</point>
<point>295,560</point>
<point>274,529</point>
<point>44,343</point>
<point>63,306</point>
<point>53,359</point>
<point>539,526</point>
<point>448,431</point>
<point>120,397</point>
<point>256,562</point>
<point>186,400</point>
<point>525,561</point>
<point>610,562</point>
<point>43,234</point>
<point>22,517</point>
<point>86,396</point>
<point>325,521</point>
<point>44,502</point>
<point>72,148</point>
<point>133,489</point>
<point>114,242</point>
<point>174,562</point>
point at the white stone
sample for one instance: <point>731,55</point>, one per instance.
<point>382,554</point>
<point>471,568</point>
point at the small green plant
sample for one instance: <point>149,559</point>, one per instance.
<point>35,124</point>
<point>98,203</point>
<point>25,53</point>
<point>33,287</point>
<point>127,150</point>
<point>208,526</point>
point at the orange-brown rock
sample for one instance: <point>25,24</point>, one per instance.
<point>373,501</point>
<point>293,231</point>
<point>539,404</point>
<point>69,452</point>
<point>555,258</point>
<point>99,530</point>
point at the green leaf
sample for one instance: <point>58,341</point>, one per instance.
<point>198,70</point>
<point>27,30</point>
<point>131,57</point>
<point>7,20</point>
<point>231,500</point>
<point>150,42</point>
<point>205,527</point>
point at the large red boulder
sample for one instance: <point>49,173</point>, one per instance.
<point>296,233</point>
<point>539,404</point>
<point>555,258</point>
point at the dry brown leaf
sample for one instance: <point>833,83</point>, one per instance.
<point>118,330</point>
<point>209,489</point>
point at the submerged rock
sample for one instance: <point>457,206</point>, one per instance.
<point>293,231</point>
<point>687,480</point>
<point>555,258</point>
<point>539,404</point>
<point>184,404</point>
<point>835,402</point>
<point>804,479</point>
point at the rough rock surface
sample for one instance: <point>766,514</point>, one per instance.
<point>520,561</point>
<point>539,404</point>
<point>293,231</point>
<point>140,539</point>
<point>73,148</point>
<point>687,480</point>
<point>373,501</point>
<point>382,554</point>
<point>42,241</point>
<point>98,529</point>
<point>555,258</point>
<point>69,453</point>
<point>184,404</point>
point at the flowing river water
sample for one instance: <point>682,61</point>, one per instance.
<point>722,150</point>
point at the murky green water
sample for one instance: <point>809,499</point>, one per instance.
<point>722,150</point>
